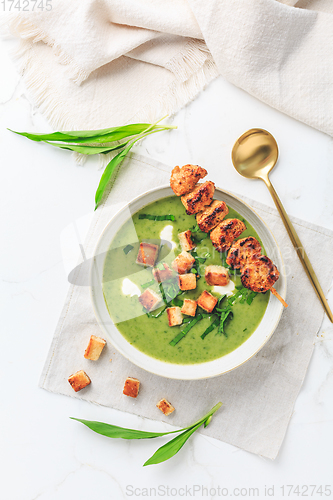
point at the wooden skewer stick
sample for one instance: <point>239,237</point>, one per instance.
<point>274,292</point>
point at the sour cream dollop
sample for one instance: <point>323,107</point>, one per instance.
<point>225,290</point>
<point>130,288</point>
<point>167,234</point>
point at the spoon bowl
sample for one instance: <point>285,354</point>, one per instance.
<point>255,154</point>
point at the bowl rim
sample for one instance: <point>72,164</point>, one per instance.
<point>141,365</point>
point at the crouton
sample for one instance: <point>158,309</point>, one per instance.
<point>79,380</point>
<point>162,275</point>
<point>201,196</point>
<point>185,241</point>
<point>187,281</point>
<point>150,300</point>
<point>216,275</point>
<point>95,347</point>
<point>183,262</point>
<point>226,232</point>
<point>212,215</point>
<point>189,307</point>
<point>207,301</point>
<point>147,255</point>
<point>131,387</point>
<point>174,316</point>
<point>184,179</point>
<point>165,407</point>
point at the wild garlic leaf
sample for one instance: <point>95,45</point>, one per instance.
<point>116,133</point>
<point>111,166</point>
<point>90,142</point>
<point>165,452</point>
<point>113,431</point>
<point>108,172</point>
<point>86,150</point>
<point>171,448</point>
<point>54,136</point>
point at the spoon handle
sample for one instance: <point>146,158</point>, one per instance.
<point>299,248</point>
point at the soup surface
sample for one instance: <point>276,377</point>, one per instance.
<point>123,280</point>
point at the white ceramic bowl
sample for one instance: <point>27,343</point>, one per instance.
<point>200,370</point>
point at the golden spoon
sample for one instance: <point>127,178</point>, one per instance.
<point>254,155</point>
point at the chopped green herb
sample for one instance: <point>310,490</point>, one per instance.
<point>149,283</point>
<point>170,290</point>
<point>157,217</point>
<point>233,298</point>
<point>243,298</point>
<point>220,300</point>
<point>224,316</point>
<point>163,293</point>
<point>211,327</point>
<point>185,330</point>
<point>250,297</point>
<point>127,249</point>
<point>159,313</point>
<point>197,234</point>
<point>177,302</point>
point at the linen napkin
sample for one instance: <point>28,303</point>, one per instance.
<point>100,63</point>
<point>258,397</point>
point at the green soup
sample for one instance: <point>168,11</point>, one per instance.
<point>153,335</point>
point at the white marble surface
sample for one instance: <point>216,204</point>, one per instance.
<point>45,455</point>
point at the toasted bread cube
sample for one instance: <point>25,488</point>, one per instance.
<point>95,348</point>
<point>216,275</point>
<point>165,407</point>
<point>185,240</point>
<point>79,380</point>
<point>162,275</point>
<point>207,301</point>
<point>183,262</point>
<point>150,300</point>
<point>199,198</point>
<point>131,387</point>
<point>189,307</point>
<point>147,255</point>
<point>187,281</point>
<point>174,316</point>
<point>212,215</point>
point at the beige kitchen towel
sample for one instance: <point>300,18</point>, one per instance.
<point>258,397</point>
<point>100,63</point>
